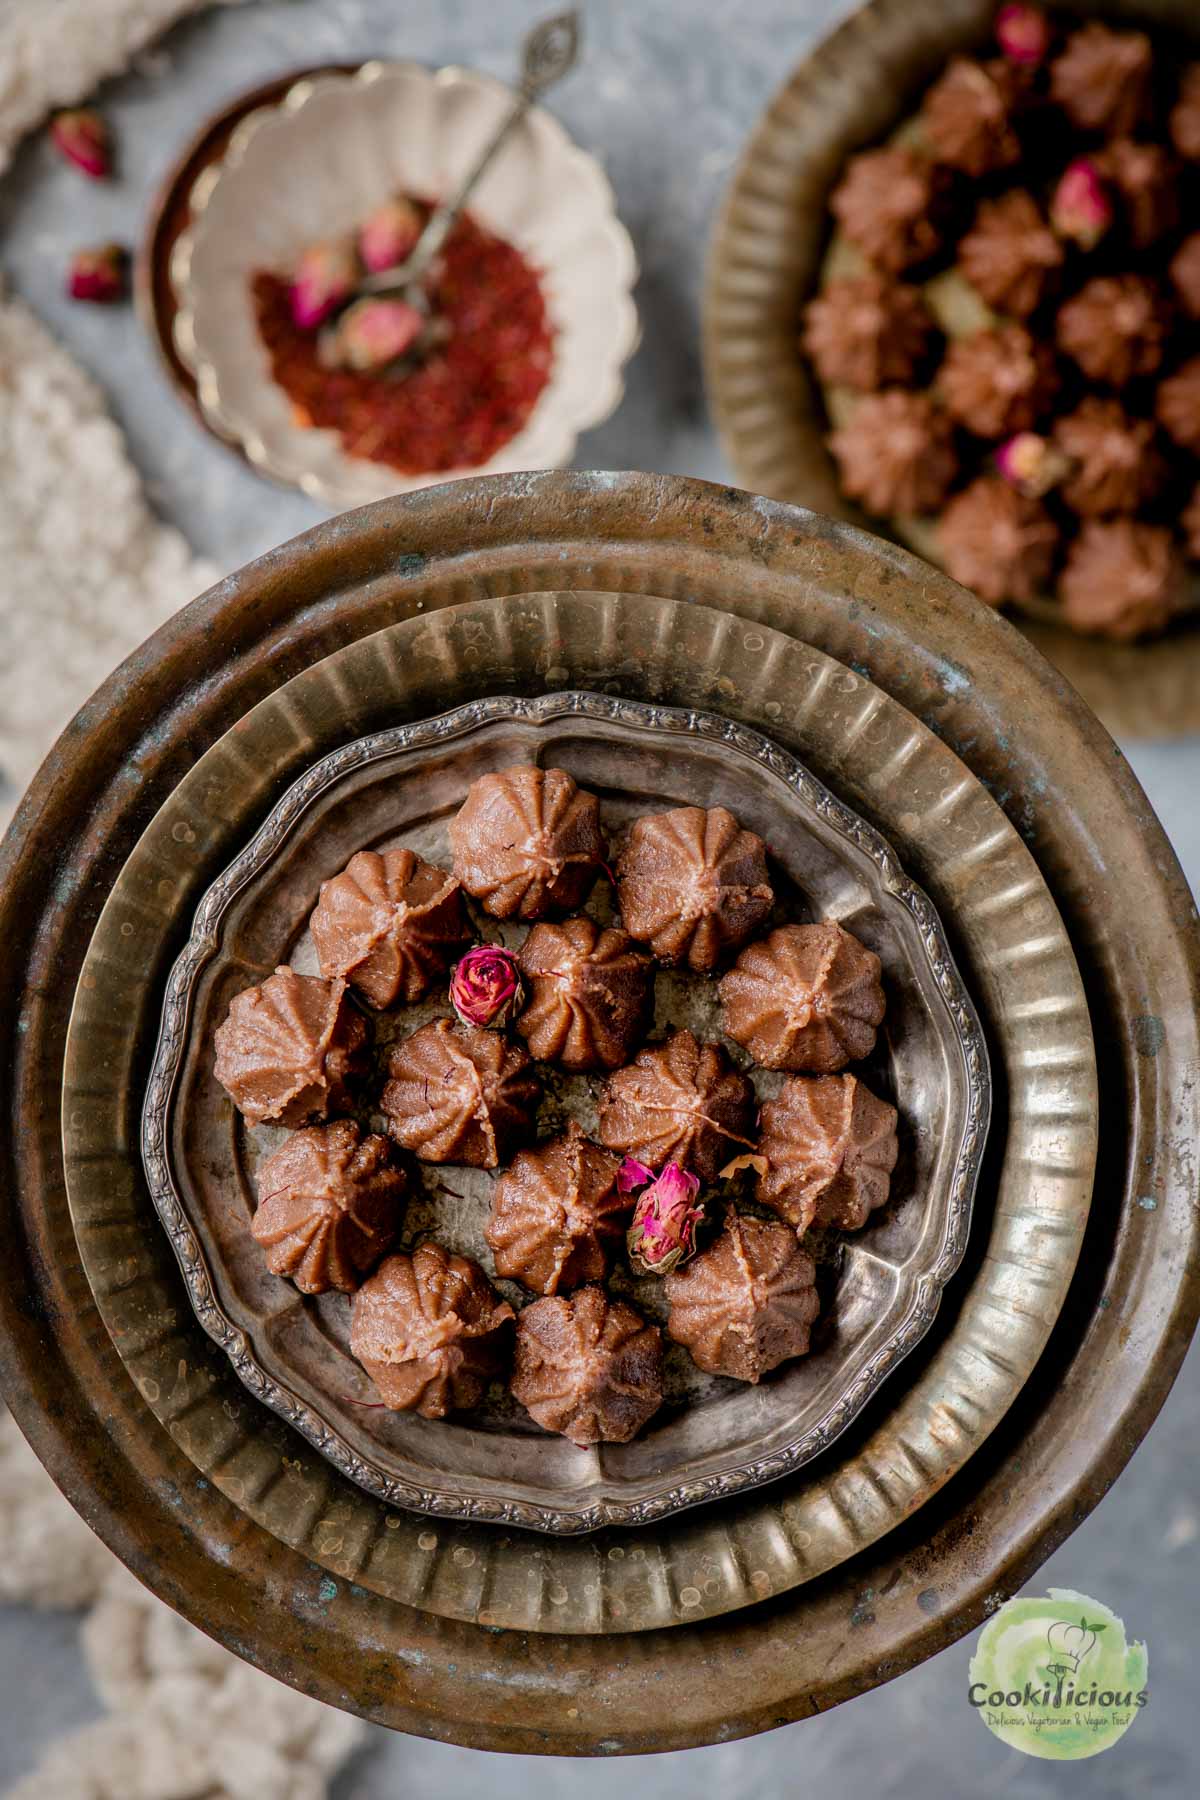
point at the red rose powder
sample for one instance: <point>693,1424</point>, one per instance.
<point>465,400</point>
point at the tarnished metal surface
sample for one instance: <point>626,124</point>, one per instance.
<point>767,259</point>
<point>947,828</point>
<point>714,1438</point>
<point>1131,1309</point>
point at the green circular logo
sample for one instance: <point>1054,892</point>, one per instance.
<point>1055,1677</point>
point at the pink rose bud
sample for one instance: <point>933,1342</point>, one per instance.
<point>373,333</point>
<point>663,1232</point>
<point>633,1175</point>
<point>83,139</point>
<point>1032,464</point>
<point>389,235</point>
<point>99,274</point>
<point>324,277</point>
<point>485,987</point>
<point>1081,209</point>
<point>1023,33</point>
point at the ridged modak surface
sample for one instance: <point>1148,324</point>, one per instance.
<point>430,1330</point>
<point>527,842</point>
<point>679,1101</point>
<point>808,997</point>
<point>330,1202</point>
<point>389,924</point>
<point>587,1366</point>
<point>459,1094</point>
<point>589,994</point>
<point>556,1214</point>
<point>287,1050</point>
<point>830,1147</point>
<point>693,884</point>
<point>747,1303</point>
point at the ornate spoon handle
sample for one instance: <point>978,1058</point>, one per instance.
<point>549,52</point>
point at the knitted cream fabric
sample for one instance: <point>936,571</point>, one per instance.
<point>54,52</point>
<point>189,1720</point>
<point>86,570</point>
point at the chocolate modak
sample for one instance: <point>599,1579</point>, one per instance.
<point>288,1049</point>
<point>431,1331</point>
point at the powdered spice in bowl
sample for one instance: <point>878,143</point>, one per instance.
<point>532,295</point>
<point>456,406</point>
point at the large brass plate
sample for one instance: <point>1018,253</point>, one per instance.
<point>1009,941</point>
<point>713,1438</point>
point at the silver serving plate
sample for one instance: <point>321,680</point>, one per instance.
<point>881,1287</point>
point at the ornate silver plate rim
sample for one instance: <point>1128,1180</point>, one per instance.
<point>203,944</point>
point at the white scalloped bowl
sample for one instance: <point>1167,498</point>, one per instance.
<point>309,167</point>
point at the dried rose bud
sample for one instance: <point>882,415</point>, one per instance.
<point>373,333</point>
<point>1023,33</point>
<point>389,235</point>
<point>1032,464</point>
<point>324,277</point>
<point>663,1232</point>
<point>633,1175</point>
<point>1081,209</point>
<point>98,274</point>
<point>83,139</point>
<point>485,987</point>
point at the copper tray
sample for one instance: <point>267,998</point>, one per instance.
<point>713,1438</point>
<point>1117,1343</point>
<point>1007,933</point>
<point>766,259</point>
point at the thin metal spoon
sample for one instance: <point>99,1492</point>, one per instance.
<point>549,52</point>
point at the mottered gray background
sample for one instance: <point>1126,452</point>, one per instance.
<point>665,95</point>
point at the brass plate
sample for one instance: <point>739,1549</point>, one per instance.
<point>766,260</point>
<point>1033,1206</point>
<point>713,1438</point>
<point>966,675</point>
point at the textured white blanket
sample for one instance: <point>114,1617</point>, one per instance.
<point>86,571</point>
<point>54,52</point>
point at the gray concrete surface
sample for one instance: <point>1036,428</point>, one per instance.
<point>665,95</point>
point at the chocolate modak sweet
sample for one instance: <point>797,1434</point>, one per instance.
<point>808,997</point>
<point>895,453</point>
<point>1178,406</point>
<point>1115,464</point>
<point>1101,78</point>
<point>997,541</point>
<point>460,1094</point>
<point>431,1331</point>
<point>587,1366</point>
<point>288,1049</point>
<point>829,1145</point>
<point>558,1214</point>
<point>527,842</point>
<point>1122,579</point>
<point>1010,256</point>
<point>590,990</point>
<point>1115,328</point>
<point>887,204</point>
<point>996,382</point>
<point>747,1303</point>
<point>389,924</point>
<point>330,1202</point>
<point>693,884</point>
<point>680,1101</point>
<point>867,331</point>
<point>967,116</point>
